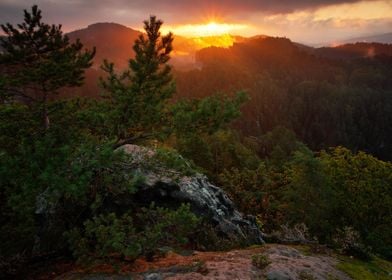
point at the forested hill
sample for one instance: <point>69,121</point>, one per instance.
<point>355,51</point>
<point>344,100</point>
<point>328,96</point>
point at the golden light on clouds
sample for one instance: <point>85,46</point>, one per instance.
<point>360,10</point>
<point>333,22</point>
<point>208,29</point>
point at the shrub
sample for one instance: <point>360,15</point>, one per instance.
<point>108,237</point>
<point>165,227</point>
<point>105,237</point>
<point>349,242</point>
<point>170,161</point>
<point>206,238</point>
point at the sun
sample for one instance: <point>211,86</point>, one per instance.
<point>210,28</point>
<point>213,29</point>
<point>210,33</point>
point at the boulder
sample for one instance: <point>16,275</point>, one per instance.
<point>171,188</point>
<point>160,185</point>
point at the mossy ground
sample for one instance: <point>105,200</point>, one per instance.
<point>377,269</point>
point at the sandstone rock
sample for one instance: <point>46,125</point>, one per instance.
<point>169,188</point>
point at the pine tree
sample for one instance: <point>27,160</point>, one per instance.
<point>139,95</point>
<point>37,61</point>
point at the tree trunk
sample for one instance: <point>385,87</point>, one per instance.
<point>45,114</point>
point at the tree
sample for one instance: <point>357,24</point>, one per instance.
<point>37,61</point>
<point>139,95</point>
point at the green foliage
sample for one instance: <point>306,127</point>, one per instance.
<point>206,238</point>
<point>17,123</point>
<point>105,237</point>
<point>170,159</point>
<point>360,180</point>
<point>279,146</point>
<point>328,192</point>
<point>38,60</point>
<point>259,192</point>
<point>138,97</point>
<point>207,115</point>
<point>109,237</point>
<point>217,152</point>
<point>309,196</point>
<point>326,101</point>
<point>61,179</point>
<point>69,177</point>
<point>340,189</point>
<point>349,242</point>
<point>247,188</point>
<point>165,227</point>
<point>200,132</point>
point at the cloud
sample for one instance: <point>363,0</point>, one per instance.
<point>72,12</point>
<point>294,18</point>
<point>332,23</point>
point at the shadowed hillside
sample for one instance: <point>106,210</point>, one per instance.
<point>327,96</point>
<point>113,41</point>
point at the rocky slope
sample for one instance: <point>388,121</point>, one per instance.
<point>286,262</point>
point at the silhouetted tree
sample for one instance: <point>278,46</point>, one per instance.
<point>139,95</point>
<point>37,61</point>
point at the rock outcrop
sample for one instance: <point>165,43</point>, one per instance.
<point>162,185</point>
<point>170,188</point>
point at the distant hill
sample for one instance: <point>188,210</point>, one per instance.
<point>385,38</point>
<point>327,96</point>
<point>354,51</point>
<point>240,66</point>
<point>113,42</point>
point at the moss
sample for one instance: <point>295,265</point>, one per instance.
<point>376,269</point>
<point>304,249</point>
<point>256,246</point>
<point>260,261</point>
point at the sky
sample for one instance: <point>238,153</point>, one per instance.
<point>307,21</point>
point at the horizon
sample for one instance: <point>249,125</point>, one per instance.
<point>318,44</point>
<point>308,22</point>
